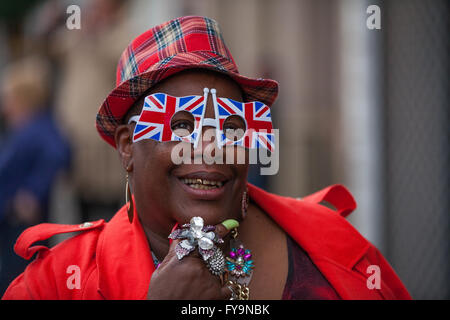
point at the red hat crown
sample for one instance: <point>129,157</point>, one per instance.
<point>183,43</point>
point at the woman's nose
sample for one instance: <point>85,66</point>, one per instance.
<point>207,143</point>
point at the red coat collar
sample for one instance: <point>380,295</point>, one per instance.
<point>320,231</point>
<point>124,261</point>
<point>125,264</point>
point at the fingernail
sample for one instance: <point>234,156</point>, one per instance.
<point>230,224</point>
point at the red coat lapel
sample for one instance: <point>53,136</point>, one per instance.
<point>124,261</point>
<point>332,243</point>
<point>318,230</point>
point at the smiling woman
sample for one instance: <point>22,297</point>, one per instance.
<point>200,230</point>
<point>153,172</point>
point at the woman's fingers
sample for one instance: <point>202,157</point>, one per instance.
<point>190,275</point>
<point>172,251</point>
<point>223,228</point>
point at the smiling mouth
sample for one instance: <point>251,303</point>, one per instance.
<point>202,184</point>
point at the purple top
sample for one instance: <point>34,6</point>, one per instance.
<point>304,280</point>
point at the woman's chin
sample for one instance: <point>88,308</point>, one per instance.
<point>211,215</point>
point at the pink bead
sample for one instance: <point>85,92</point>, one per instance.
<point>232,254</point>
<point>240,252</point>
<point>247,256</point>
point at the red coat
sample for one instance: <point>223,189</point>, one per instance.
<point>113,259</point>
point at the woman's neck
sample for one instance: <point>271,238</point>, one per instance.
<point>159,243</point>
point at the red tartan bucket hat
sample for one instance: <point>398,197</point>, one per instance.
<point>183,43</point>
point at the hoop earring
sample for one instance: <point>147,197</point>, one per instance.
<point>130,207</point>
<point>244,204</point>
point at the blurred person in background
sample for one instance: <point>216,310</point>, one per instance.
<point>31,155</point>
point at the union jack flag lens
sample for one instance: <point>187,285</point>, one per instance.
<point>258,132</point>
<point>167,118</point>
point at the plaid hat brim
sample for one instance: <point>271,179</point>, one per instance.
<point>121,99</point>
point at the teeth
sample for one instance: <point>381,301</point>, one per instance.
<point>202,183</point>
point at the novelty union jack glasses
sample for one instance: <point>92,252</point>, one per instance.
<point>167,118</point>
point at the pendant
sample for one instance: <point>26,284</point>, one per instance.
<point>239,269</point>
<point>239,262</point>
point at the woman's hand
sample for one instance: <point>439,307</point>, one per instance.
<point>188,278</point>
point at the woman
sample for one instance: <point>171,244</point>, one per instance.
<point>180,237</point>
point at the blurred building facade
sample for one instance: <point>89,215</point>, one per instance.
<point>365,108</point>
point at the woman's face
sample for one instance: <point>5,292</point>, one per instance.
<point>164,192</point>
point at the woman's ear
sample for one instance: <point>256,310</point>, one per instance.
<point>124,141</point>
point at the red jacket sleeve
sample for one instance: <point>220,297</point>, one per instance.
<point>49,276</point>
<point>391,287</point>
<point>35,283</point>
<point>18,290</point>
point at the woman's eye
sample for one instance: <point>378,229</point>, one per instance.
<point>182,123</point>
<point>182,128</point>
<point>230,126</point>
<point>234,128</point>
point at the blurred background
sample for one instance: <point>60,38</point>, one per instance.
<point>367,108</point>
